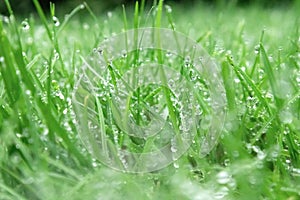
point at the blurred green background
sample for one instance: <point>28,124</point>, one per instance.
<point>26,6</point>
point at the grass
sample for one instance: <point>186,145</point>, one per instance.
<point>257,155</point>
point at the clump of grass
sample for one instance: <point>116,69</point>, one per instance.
<point>257,156</point>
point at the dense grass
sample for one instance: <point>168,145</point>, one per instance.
<point>257,156</point>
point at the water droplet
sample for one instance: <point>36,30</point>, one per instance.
<point>28,92</point>
<point>171,83</point>
<point>82,6</point>
<point>168,8</point>
<point>65,111</point>
<point>187,60</point>
<point>55,21</point>
<point>256,49</point>
<point>60,95</point>
<point>6,19</point>
<point>176,165</point>
<point>173,146</point>
<point>237,80</point>
<point>25,25</point>
<point>223,177</point>
<point>56,56</point>
<point>100,51</point>
<point>124,54</point>
<point>109,14</point>
<point>86,26</point>
<point>261,155</point>
<point>94,163</point>
<point>169,54</point>
<point>1,59</point>
<point>296,171</point>
<point>221,193</point>
<point>18,72</point>
<point>46,131</point>
<point>15,159</point>
<point>298,80</point>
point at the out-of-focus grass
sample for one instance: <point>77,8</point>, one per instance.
<point>257,157</point>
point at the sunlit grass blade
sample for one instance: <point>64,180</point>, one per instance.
<point>271,77</point>
<point>247,82</point>
<point>230,90</point>
<point>69,16</point>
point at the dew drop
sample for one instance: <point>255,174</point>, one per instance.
<point>65,111</point>
<point>168,8</point>
<point>82,6</point>
<point>124,54</point>
<point>56,56</point>
<point>221,193</point>
<point>296,171</point>
<point>169,54</point>
<point>28,92</point>
<point>223,177</point>
<point>55,21</point>
<point>261,155</point>
<point>237,80</point>
<point>94,163</point>
<point>256,49</point>
<point>16,159</point>
<point>25,25</point>
<point>86,26</point>
<point>6,19</point>
<point>109,14</point>
<point>176,165</point>
<point>173,146</point>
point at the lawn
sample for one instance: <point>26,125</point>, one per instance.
<point>65,119</point>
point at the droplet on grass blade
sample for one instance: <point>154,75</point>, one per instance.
<point>5,19</point>
<point>174,119</point>
<point>168,8</point>
<point>82,6</point>
<point>237,80</point>
<point>109,14</point>
<point>256,49</point>
<point>221,193</point>
<point>223,177</point>
<point>55,21</point>
<point>25,25</point>
<point>176,165</point>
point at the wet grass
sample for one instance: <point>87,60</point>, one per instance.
<point>257,156</point>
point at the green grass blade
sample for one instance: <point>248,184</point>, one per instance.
<point>229,87</point>
<point>247,82</point>
<point>271,76</point>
